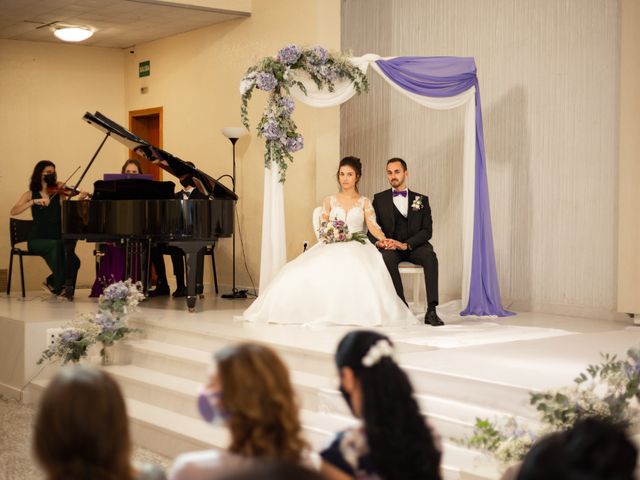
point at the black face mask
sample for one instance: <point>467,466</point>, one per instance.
<point>50,179</point>
<point>187,181</point>
<point>347,397</point>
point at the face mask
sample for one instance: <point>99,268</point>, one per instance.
<point>187,181</point>
<point>50,179</point>
<point>210,409</point>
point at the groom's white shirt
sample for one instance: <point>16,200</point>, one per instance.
<point>401,203</point>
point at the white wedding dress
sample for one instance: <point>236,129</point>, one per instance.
<point>344,283</point>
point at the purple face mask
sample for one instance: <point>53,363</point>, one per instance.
<point>209,407</point>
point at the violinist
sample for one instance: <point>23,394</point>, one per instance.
<point>44,198</point>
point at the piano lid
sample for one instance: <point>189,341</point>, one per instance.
<point>165,160</point>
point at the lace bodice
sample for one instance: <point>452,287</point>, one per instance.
<point>357,216</point>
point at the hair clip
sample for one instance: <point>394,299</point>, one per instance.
<point>382,348</point>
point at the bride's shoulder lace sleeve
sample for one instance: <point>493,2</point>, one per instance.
<point>370,219</point>
<point>327,204</point>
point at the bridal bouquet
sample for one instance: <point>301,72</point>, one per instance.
<point>338,231</point>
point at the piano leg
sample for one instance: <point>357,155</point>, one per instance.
<point>191,250</point>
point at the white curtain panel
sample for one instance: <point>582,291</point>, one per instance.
<point>273,233</point>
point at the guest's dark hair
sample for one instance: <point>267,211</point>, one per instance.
<point>397,159</point>
<point>353,162</point>
<point>592,449</point>
<point>82,429</point>
<point>35,184</point>
<point>132,161</point>
<point>401,444</point>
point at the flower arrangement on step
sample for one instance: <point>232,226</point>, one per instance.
<point>337,231</point>
<point>609,390</point>
<point>277,76</point>
<point>106,326</point>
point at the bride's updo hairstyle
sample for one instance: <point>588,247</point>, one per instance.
<point>400,442</point>
<point>355,164</point>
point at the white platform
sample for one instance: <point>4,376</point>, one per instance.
<point>466,369</point>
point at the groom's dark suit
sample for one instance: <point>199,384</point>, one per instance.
<point>415,230</point>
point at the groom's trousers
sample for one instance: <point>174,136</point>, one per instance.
<point>424,256</point>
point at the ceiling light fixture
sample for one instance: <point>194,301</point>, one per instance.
<point>73,34</point>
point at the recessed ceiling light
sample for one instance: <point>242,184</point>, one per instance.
<point>72,34</point>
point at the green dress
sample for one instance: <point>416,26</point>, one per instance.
<point>45,239</point>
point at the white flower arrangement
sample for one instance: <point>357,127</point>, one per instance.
<point>276,77</point>
<point>609,391</point>
<point>382,348</point>
<point>417,203</point>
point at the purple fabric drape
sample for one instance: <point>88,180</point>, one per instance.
<point>446,77</point>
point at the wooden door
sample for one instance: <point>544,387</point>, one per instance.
<point>147,124</point>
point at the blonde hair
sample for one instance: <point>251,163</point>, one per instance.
<point>258,395</point>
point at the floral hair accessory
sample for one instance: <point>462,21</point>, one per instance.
<point>382,348</point>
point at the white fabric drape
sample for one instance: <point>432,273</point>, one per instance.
<point>274,251</point>
<point>273,239</point>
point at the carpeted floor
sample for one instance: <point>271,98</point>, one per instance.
<point>16,461</point>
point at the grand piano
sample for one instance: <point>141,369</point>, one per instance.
<point>142,213</point>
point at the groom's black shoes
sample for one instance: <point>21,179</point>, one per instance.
<point>431,318</point>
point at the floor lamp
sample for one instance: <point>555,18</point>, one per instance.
<point>233,134</point>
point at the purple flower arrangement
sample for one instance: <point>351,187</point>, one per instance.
<point>276,76</point>
<point>106,326</point>
<point>335,231</point>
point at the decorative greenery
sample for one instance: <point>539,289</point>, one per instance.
<point>277,76</point>
<point>609,391</point>
<point>107,326</point>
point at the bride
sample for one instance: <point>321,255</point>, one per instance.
<point>344,283</point>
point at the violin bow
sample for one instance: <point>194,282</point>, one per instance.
<point>64,184</point>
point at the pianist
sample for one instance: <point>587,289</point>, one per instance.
<point>188,192</point>
<point>44,198</point>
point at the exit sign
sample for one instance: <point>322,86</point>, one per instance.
<point>144,69</point>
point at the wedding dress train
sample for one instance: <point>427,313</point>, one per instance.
<point>345,283</point>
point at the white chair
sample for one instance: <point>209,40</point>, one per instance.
<point>408,268</point>
<point>316,218</point>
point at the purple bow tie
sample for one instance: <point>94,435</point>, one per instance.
<point>397,193</point>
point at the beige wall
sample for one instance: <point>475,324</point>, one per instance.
<point>45,88</point>
<point>195,77</point>
<point>629,173</point>
<point>548,72</point>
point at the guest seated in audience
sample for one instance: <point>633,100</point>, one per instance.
<point>393,441</point>
<point>112,262</point>
<point>44,197</point>
<point>592,449</point>
<point>273,470</point>
<point>82,429</point>
<point>249,392</point>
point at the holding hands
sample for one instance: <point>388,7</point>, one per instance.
<point>391,244</point>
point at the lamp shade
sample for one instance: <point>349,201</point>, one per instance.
<point>234,132</point>
<point>73,34</point>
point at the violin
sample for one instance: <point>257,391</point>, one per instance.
<point>53,190</point>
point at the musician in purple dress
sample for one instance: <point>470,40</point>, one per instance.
<point>113,261</point>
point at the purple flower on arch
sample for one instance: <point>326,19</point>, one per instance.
<point>266,81</point>
<point>289,54</point>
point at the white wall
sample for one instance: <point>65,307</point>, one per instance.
<point>548,72</point>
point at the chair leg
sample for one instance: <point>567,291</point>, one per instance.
<point>22,276</point>
<point>10,272</point>
<point>416,290</point>
<point>213,264</point>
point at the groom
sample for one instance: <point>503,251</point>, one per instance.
<point>405,218</point>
